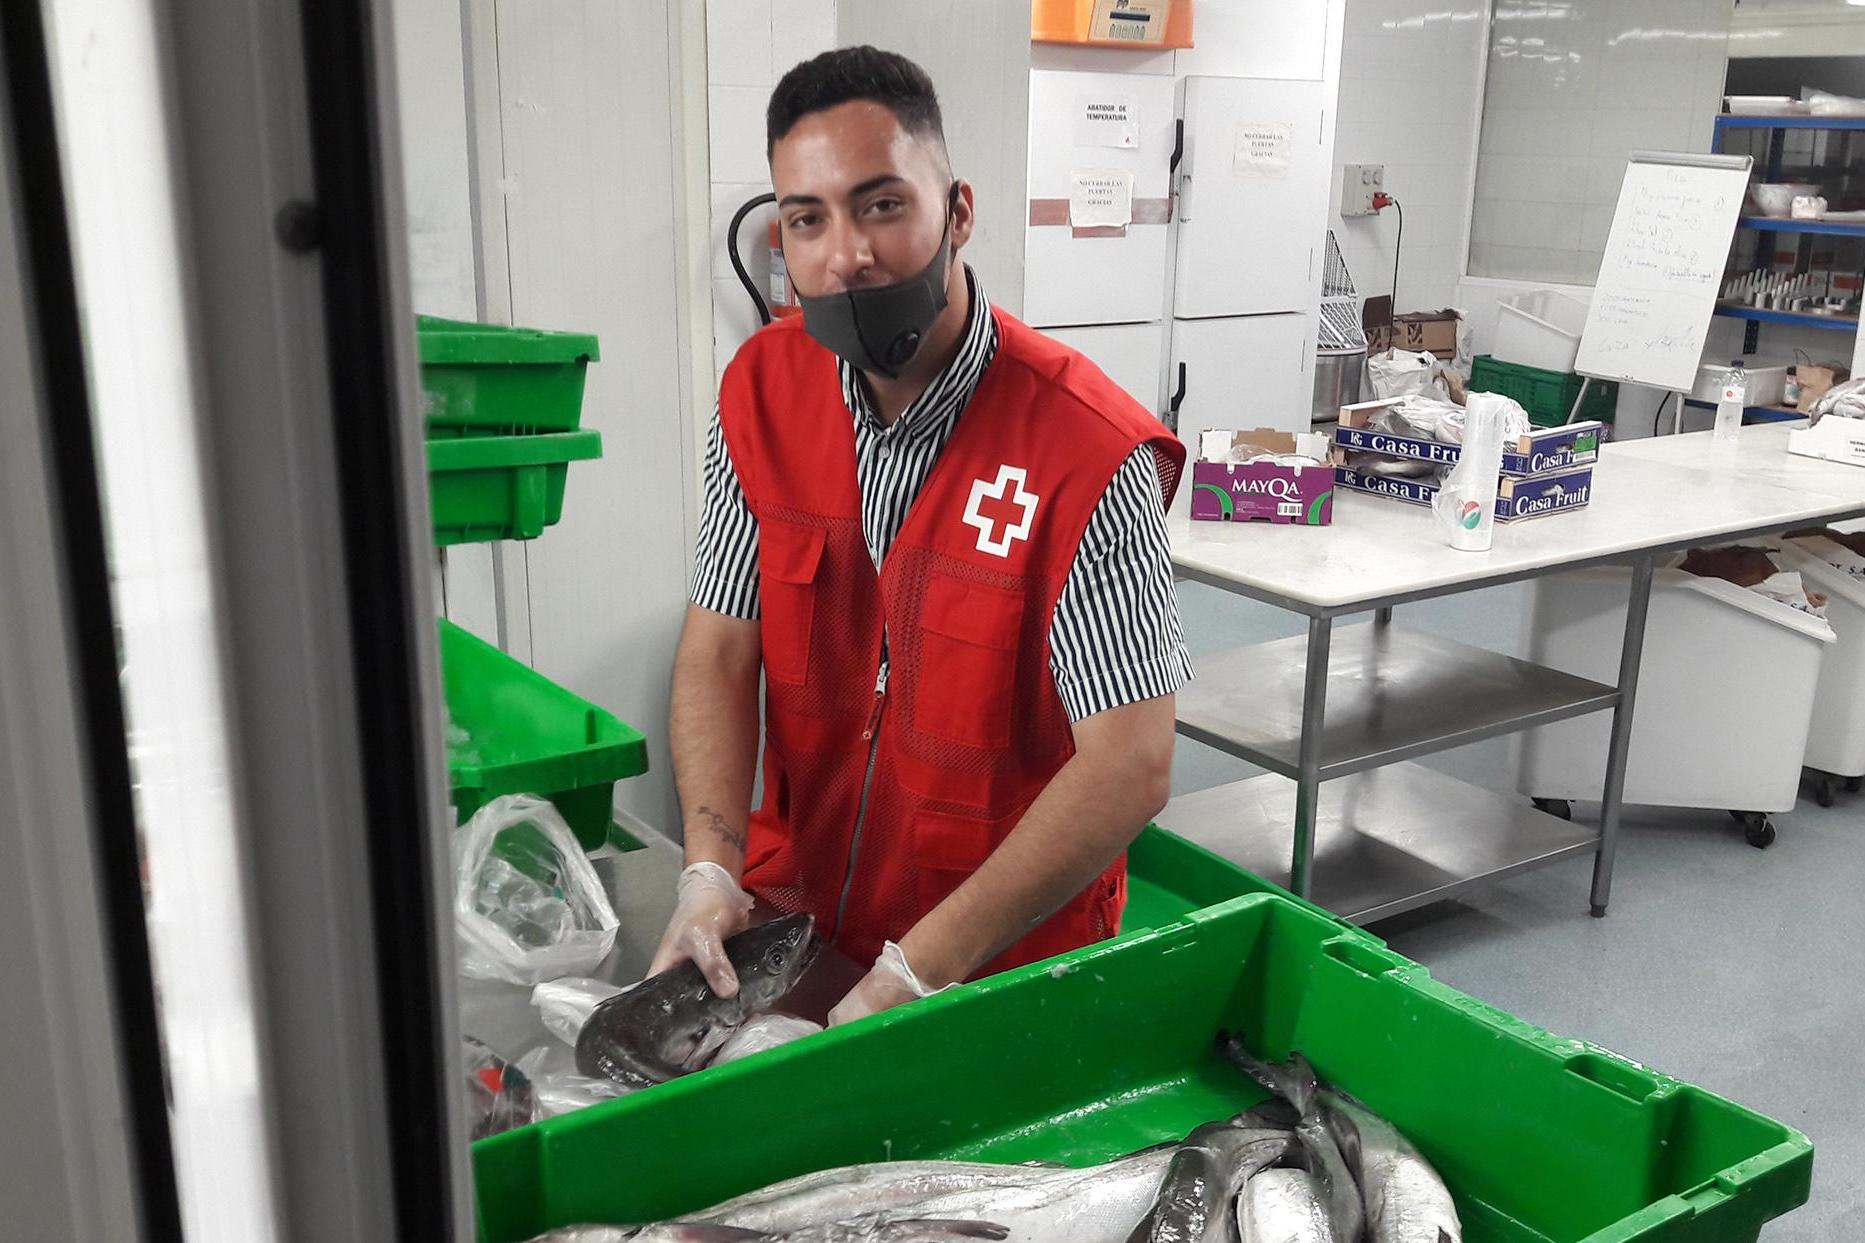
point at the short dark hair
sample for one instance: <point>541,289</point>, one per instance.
<point>850,73</point>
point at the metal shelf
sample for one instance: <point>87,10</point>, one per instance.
<point>1788,122</point>
<point>1392,694</point>
<point>1386,841</point>
<point>1835,323</point>
<point>1825,228</point>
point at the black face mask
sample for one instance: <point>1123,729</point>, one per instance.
<point>881,329</point>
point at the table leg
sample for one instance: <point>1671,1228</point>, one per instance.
<point>1382,617</point>
<point>1308,759</point>
<point>1612,797</point>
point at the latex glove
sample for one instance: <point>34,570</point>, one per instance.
<point>891,982</point>
<point>711,907</point>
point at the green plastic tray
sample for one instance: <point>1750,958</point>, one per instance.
<point>1546,395</point>
<point>501,487</point>
<point>492,377</point>
<point>527,735</point>
<point>1168,878</point>
<point>1108,1049</point>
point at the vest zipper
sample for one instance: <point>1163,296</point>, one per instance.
<point>872,736</point>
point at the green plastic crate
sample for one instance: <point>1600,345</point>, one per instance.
<point>1168,878</point>
<point>501,487</point>
<point>1108,1049</point>
<point>494,378</point>
<point>527,735</point>
<point>1546,395</point>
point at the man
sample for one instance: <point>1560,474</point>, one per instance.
<point>940,536</point>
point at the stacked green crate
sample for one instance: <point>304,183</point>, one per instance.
<point>503,413</point>
<point>502,410</point>
<point>1548,396</point>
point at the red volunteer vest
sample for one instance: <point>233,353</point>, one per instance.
<point>878,804</point>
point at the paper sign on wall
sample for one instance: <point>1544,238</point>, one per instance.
<point>1105,119</point>
<point>1100,197</point>
<point>1262,149</point>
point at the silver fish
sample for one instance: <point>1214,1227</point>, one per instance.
<point>1406,1201</point>
<point>1283,1206</point>
<point>1294,1082</point>
<point>1202,1180</point>
<point>671,1023</point>
<point>873,1228</point>
<point>1097,1204</point>
<point>851,1190</point>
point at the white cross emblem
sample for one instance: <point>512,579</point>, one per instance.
<point>1004,504</point>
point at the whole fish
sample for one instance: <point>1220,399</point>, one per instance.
<point>1096,1204</point>
<point>1400,1197</point>
<point>1202,1180</point>
<point>671,1023</point>
<point>872,1228</point>
<point>1294,1081</point>
<point>1406,1201</point>
<point>850,1190</point>
<point>1283,1206</point>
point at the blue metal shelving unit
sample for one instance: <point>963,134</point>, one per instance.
<point>1788,122</point>
<point>1769,226</point>
<point>1833,323</point>
<point>1825,228</point>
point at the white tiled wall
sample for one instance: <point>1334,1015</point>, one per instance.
<point>749,45</point>
<point>1573,88</point>
<point>1409,99</point>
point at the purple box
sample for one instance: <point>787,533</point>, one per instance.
<point>1266,491</point>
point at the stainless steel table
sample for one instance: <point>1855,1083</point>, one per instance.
<point>1343,817</point>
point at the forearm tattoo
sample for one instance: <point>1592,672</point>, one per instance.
<point>735,838</point>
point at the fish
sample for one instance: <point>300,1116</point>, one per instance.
<point>850,1190</point>
<point>1294,1082</point>
<point>1400,1197</point>
<point>1203,1178</point>
<point>1095,1204</point>
<point>1406,1201</point>
<point>869,1229</point>
<point>1035,1203</point>
<point>671,1023</point>
<point>1284,1206</point>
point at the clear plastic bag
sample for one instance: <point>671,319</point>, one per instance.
<point>499,1095</point>
<point>761,1032</point>
<point>527,904</point>
<point>560,1092</point>
<point>564,1005</point>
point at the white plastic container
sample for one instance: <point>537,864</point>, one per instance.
<point>1836,732</point>
<point>1767,382</point>
<point>1725,691</point>
<point>1540,329</point>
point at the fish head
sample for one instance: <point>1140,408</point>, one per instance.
<point>770,958</point>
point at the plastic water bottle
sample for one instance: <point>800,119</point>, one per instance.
<point>1734,397</point>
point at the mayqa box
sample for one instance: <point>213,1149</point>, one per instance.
<point>1290,482</point>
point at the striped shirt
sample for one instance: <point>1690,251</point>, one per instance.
<point>1115,637</point>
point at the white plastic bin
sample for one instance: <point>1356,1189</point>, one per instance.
<point>1540,329</point>
<point>1836,733</point>
<point>1725,692</point>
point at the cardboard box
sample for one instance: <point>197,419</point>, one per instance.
<point>1815,379</point>
<point>1435,331</point>
<point>1520,497</point>
<point>1832,439</point>
<point>1302,495</point>
<point>1542,449</point>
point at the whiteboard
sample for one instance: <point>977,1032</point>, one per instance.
<point>1663,268</point>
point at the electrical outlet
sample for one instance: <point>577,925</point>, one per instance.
<point>1358,184</point>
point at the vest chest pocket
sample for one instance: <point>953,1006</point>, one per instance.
<point>968,662</point>
<point>789,556</point>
